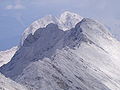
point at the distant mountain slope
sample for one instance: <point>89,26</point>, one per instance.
<point>7,84</point>
<point>6,56</point>
<point>84,57</point>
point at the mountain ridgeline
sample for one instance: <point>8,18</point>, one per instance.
<point>66,53</point>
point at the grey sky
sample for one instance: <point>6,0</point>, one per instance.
<point>16,15</point>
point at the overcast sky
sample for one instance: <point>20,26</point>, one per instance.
<point>16,15</point>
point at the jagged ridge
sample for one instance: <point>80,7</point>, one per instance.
<point>65,21</point>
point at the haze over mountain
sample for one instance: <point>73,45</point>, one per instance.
<point>66,53</point>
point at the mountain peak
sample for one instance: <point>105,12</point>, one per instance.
<point>68,13</point>
<point>69,19</point>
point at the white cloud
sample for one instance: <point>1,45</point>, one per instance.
<point>18,6</point>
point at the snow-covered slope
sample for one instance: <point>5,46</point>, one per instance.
<point>65,21</point>
<point>85,57</point>
<point>5,56</point>
<point>7,84</point>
